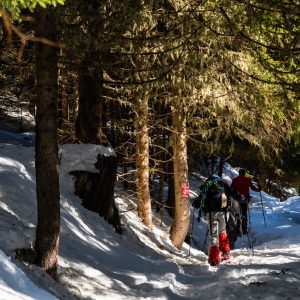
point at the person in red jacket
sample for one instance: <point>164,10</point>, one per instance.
<point>242,184</point>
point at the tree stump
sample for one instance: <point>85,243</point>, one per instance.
<point>97,189</point>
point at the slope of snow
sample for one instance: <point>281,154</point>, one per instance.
<point>97,263</point>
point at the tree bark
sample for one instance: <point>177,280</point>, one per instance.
<point>89,118</point>
<point>97,189</point>
<point>171,189</point>
<point>180,226</point>
<point>47,180</point>
<point>142,162</point>
<point>142,147</point>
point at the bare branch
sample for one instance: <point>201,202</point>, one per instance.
<point>11,28</point>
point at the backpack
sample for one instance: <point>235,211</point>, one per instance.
<point>200,201</point>
<point>212,196</point>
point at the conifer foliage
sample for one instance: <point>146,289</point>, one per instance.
<point>157,80</point>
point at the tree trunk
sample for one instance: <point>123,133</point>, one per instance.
<point>142,147</point>
<point>171,189</point>
<point>170,167</point>
<point>97,189</point>
<point>47,180</point>
<point>181,220</point>
<point>61,100</point>
<point>142,162</point>
<point>89,118</point>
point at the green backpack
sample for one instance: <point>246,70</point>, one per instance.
<point>200,201</point>
<point>211,196</point>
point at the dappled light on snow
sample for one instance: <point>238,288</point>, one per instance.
<point>97,263</point>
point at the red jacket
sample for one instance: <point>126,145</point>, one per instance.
<point>242,184</point>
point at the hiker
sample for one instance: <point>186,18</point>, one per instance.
<point>233,220</point>
<point>241,184</point>
<point>217,203</point>
<point>213,200</point>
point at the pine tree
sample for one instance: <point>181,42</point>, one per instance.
<point>47,180</point>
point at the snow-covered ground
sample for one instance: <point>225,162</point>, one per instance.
<point>97,263</point>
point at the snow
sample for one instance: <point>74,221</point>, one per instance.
<point>14,284</point>
<point>97,263</point>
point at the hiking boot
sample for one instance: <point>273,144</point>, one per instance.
<point>214,255</point>
<point>224,242</point>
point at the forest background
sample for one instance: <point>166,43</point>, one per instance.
<point>165,84</point>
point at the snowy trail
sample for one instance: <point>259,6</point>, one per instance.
<point>96,263</point>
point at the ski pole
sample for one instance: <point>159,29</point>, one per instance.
<point>251,233</point>
<point>242,220</point>
<point>261,201</point>
<point>263,211</point>
<point>191,234</point>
